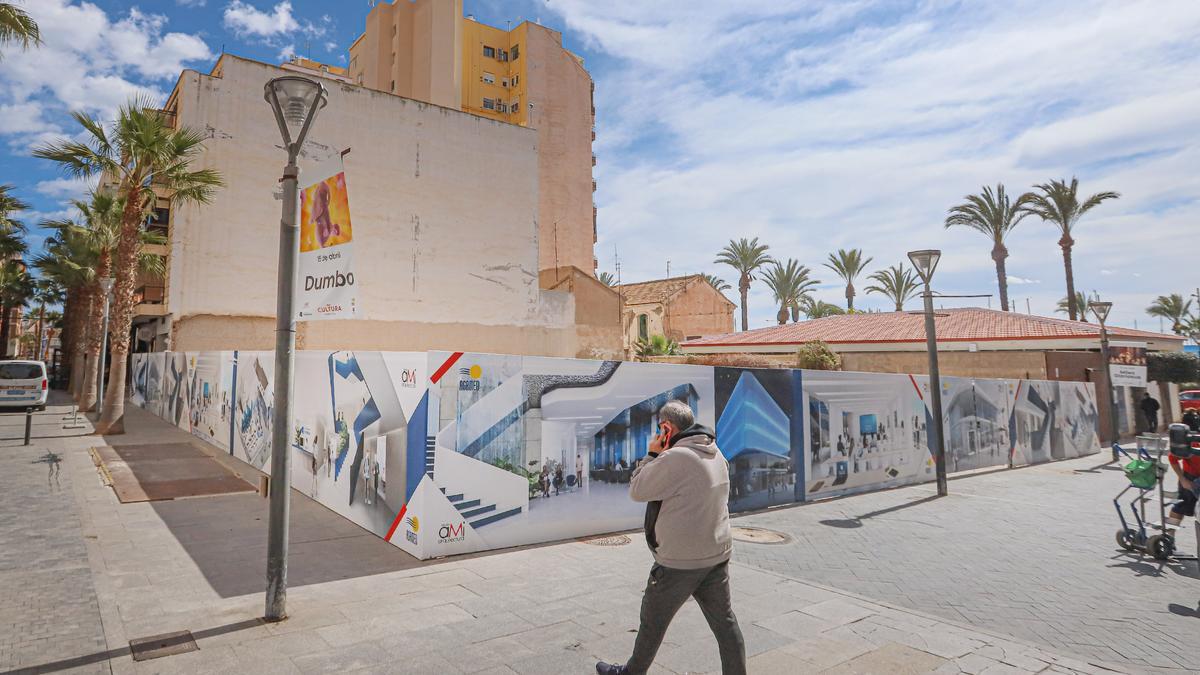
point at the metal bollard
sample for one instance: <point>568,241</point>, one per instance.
<point>28,424</point>
<point>74,417</point>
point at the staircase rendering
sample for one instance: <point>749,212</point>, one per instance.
<point>472,510</point>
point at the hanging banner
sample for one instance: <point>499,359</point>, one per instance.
<point>1127,364</point>
<point>325,271</point>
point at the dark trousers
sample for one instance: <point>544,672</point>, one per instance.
<point>666,591</point>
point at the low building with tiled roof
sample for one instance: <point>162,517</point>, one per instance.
<point>681,308</point>
<point>973,342</point>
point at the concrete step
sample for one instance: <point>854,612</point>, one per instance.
<point>491,519</point>
<point>479,511</point>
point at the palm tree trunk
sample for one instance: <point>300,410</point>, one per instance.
<point>849,296</point>
<point>87,305</point>
<point>999,253</point>
<point>37,350</point>
<point>1066,242</point>
<point>5,329</point>
<point>744,287</point>
<point>95,344</point>
<point>782,315</point>
<point>112,418</point>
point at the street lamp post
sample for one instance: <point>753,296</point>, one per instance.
<point>925,262</point>
<point>1100,310</point>
<point>295,101</point>
<point>106,285</point>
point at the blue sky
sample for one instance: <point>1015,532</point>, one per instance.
<point>812,125</point>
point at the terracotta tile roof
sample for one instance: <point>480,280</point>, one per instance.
<point>967,324</point>
<point>656,290</point>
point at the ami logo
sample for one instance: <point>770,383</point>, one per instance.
<point>408,378</point>
<point>450,533</point>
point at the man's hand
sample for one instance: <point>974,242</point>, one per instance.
<point>656,444</point>
<point>1185,483</point>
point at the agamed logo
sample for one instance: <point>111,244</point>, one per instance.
<point>450,533</point>
<point>469,378</point>
<point>414,526</point>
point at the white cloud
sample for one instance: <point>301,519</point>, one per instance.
<point>287,53</point>
<point>191,3</point>
<point>860,126</point>
<point>245,19</point>
<point>1013,279</point>
<point>66,188</point>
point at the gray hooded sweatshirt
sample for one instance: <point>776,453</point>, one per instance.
<point>690,528</point>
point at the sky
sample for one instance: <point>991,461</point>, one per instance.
<point>812,125</point>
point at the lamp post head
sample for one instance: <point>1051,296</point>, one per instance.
<point>925,262</point>
<point>1100,310</point>
<point>296,101</point>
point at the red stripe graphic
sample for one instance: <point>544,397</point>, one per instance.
<point>445,366</point>
<point>914,381</point>
<point>396,523</point>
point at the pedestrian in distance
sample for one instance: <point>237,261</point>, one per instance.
<point>684,481</point>
<point>1150,409</point>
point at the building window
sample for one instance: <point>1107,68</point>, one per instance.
<point>489,52</point>
<point>503,55</point>
<point>504,82</point>
<point>500,107</point>
<point>489,104</point>
<point>515,106</point>
<point>489,78</point>
<point>516,79</point>
<point>516,51</point>
<point>643,327</point>
<point>393,85</point>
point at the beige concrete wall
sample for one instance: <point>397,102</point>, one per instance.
<point>655,321</point>
<point>596,305</point>
<point>444,211</point>
<point>561,93</point>
<point>1025,365</point>
<point>698,310</point>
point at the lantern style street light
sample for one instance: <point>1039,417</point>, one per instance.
<point>106,286</point>
<point>925,262</point>
<point>1100,310</point>
<point>296,102</point>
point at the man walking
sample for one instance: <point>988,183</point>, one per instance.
<point>685,481</point>
<point>1150,410</point>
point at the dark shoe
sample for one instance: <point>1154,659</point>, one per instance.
<point>603,668</point>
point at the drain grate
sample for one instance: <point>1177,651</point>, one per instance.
<point>158,646</point>
<point>758,535</point>
<point>616,540</point>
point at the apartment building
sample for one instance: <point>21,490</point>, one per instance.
<point>427,50</point>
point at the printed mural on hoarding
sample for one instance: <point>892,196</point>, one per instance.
<point>443,453</point>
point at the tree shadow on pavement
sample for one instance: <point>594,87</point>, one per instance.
<point>1183,610</point>
<point>856,521</point>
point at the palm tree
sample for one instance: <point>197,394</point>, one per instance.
<point>1059,203</point>
<point>897,283</point>
<point>1174,308</point>
<point>139,150</point>
<point>819,309</point>
<point>12,231</point>
<point>70,261</point>
<point>101,233</point>
<point>15,288</point>
<point>848,265</point>
<point>17,26</point>
<point>747,256</point>
<point>657,345</point>
<point>716,282</point>
<point>53,320</point>
<point>607,279</point>
<point>45,292</point>
<point>790,283</point>
<point>1081,300</point>
<point>992,214</point>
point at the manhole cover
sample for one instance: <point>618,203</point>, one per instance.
<point>617,540</point>
<point>757,535</point>
<point>158,646</point>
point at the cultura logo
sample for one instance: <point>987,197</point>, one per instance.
<point>449,533</point>
<point>414,526</point>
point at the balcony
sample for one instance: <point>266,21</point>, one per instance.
<point>150,300</point>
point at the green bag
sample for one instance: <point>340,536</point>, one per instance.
<point>1142,473</point>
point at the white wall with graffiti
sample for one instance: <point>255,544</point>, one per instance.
<point>443,453</point>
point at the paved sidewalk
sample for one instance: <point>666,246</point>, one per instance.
<point>549,609</point>
<point>1029,552</point>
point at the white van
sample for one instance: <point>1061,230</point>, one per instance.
<point>23,384</point>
